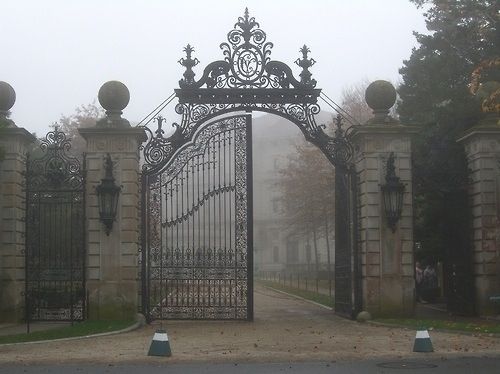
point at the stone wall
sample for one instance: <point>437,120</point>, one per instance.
<point>14,141</point>
<point>482,146</point>
<point>112,266</point>
<point>387,262</point>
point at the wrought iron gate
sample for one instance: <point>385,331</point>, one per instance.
<point>247,79</point>
<point>347,279</point>
<point>55,240</point>
<point>197,234</point>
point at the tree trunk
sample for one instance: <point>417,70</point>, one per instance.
<point>316,255</point>
<point>328,256</point>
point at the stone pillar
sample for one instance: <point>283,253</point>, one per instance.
<point>112,262</point>
<point>13,145</point>
<point>387,260</point>
<point>482,147</point>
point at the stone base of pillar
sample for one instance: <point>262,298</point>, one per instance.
<point>391,296</point>
<point>486,287</point>
<point>112,300</point>
<point>12,301</point>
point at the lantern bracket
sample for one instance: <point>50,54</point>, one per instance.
<point>392,194</point>
<point>107,194</point>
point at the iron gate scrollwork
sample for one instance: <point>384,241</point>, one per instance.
<point>55,240</point>
<point>198,230</point>
<point>247,80</point>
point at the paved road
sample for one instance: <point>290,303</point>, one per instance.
<point>455,366</point>
<point>284,330</point>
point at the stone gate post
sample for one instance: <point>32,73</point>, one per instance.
<point>14,142</point>
<point>112,261</point>
<point>387,261</point>
<point>482,148</point>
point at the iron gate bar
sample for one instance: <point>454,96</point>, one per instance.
<point>343,249</point>
<point>249,178</point>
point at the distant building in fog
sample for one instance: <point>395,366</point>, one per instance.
<point>275,247</point>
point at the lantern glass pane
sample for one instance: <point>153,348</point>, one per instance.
<point>394,202</point>
<point>114,201</point>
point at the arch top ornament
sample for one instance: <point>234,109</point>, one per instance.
<point>247,65</point>
<point>247,79</point>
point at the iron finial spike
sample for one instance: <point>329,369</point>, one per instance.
<point>305,50</point>
<point>305,63</point>
<point>338,121</point>
<point>188,63</point>
<point>159,132</point>
<point>188,49</point>
<point>339,133</point>
<point>247,14</point>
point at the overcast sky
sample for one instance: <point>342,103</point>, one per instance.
<point>56,54</point>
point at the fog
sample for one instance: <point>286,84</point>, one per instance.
<point>56,53</point>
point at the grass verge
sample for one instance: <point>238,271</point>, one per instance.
<point>78,329</point>
<point>486,327</point>
<point>309,295</point>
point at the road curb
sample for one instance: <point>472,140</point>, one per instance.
<point>447,331</point>
<point>135,326</point>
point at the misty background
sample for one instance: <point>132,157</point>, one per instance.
<point>57,53</point>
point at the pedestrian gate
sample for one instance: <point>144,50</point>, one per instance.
<point>55,240</point>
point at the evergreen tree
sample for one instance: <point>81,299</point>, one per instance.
<point>436,95</point>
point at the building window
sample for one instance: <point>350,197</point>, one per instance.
<point>292,252</point>
<point>274,234</point>
<point>276,254</point>
<point>308,253</point>
<point>276,205</point>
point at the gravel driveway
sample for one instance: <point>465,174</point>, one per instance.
<point>285,329</point>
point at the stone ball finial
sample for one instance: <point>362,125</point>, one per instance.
<point>114,96</point>
<point>380,95</point>
<point>7,96</point>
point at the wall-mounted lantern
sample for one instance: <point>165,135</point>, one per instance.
<point>107,194</point>
<point>392,194</point>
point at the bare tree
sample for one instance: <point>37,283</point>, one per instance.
<point>84,116</point>
<point>307,187</point>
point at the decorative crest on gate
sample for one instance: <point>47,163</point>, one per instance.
<point>247,63</point>
<point>56,169</point>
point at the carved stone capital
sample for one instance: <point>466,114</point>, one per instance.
<point>112,140</point>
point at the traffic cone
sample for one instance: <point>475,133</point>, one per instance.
<point>423,342</point>
<point>160,345</point>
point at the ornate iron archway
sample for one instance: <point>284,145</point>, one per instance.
<point>248,80</point>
